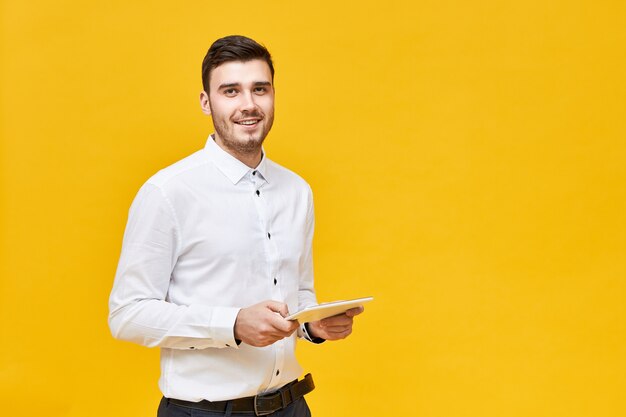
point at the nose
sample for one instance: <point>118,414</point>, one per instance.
<point>248,103</point>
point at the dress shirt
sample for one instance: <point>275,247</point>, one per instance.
<point>206,237</point>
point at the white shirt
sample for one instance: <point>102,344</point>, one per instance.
<point>205,237</point>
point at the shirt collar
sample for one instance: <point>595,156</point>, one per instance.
<point>230,166</point>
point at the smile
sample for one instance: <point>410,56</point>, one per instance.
<point>248,122</point>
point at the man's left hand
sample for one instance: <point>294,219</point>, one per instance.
<point>335,327</point>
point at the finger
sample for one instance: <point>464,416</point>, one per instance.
<point>282,326</point>
<point>355,311</point>
<point>278,307</point>
<point>339,320</point>
<point>270,334</point>
<point>334,335</point>
<point>337,329</point>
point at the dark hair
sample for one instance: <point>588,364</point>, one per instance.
<point>233,48</point>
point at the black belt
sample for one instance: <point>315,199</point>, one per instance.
<point>260,405</point>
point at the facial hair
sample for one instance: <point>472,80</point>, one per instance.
<point>251,146</point>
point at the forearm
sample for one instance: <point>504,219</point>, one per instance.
<point>153,322</point>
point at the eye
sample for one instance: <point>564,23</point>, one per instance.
<point>230,92</point>
<point>260,90</point>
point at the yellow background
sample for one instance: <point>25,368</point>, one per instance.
<point>468,164</point>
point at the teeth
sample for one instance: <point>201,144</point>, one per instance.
<point>247,122</point>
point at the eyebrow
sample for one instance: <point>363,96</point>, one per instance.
<point>256,84</point>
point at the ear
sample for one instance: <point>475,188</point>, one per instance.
<point>204,103</point>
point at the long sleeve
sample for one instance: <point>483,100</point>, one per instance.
<point>139,310</point>
<point>306,292</point>
<point>206,237</point>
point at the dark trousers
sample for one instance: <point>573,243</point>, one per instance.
<point>167,409</point>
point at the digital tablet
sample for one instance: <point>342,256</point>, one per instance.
<point>321,311</point>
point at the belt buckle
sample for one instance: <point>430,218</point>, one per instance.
<point>256,408</point>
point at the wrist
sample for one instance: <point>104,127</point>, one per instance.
<point>310,330</point>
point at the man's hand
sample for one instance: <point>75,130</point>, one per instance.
<point>263,324</point>
<point>335,327</point>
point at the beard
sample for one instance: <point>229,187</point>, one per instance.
<point>242,143</point>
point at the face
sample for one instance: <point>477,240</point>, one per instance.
<point>241,103</point>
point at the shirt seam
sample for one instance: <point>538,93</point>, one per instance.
<point>168,174</point>
<point>310,210</point>
<point>177,228</point>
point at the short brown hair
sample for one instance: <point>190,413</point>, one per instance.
<point>233,48</point>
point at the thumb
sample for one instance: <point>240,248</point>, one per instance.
<point>278,307</point>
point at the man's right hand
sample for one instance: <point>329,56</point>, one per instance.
<point>263,324</point>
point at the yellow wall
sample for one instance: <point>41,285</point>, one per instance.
<point>468,160</point>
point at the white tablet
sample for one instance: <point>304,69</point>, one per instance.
<point>321,311</point>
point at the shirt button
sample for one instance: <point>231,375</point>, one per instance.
<point>258,192</point>
<point>275,281</point>
<point>269,236</point>
<point>191,347</point>
<point>253,172</point>
<point>277,372</point>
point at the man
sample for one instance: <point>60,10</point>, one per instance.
<point>217,252</point>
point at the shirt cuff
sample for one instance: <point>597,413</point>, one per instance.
<point>305,333</point>
<point>222,326</point>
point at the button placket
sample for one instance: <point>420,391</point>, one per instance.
<point>279,361</point>
<point>262,207</point>
<point>261,202</point>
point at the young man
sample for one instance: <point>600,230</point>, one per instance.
<point>217,251</point>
